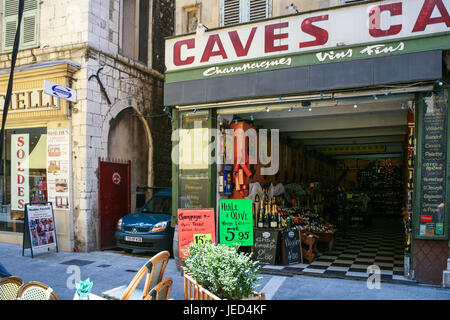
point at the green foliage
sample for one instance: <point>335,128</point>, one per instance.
<point>222,270</point>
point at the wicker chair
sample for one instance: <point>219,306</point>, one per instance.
<point>154,269</point>
<point>35,290</point>
<point>9,287</point>
<point>161,291</point>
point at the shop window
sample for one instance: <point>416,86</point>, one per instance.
<point>29,28</point>
<point>239,11</point>
<point>23,175</point>
<point>135,29</point>
<point>194,182</point>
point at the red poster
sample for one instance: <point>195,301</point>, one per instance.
<point>424,218</point>
<point>195,224</point>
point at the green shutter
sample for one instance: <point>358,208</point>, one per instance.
<point>29,36</point>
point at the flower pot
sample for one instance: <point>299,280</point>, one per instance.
<point>194,291</point>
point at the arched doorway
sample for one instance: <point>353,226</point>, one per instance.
<point>128,139</point>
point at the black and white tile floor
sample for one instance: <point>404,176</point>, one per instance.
<point>352,255</point>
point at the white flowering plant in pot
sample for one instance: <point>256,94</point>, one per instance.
<point>222,270</point>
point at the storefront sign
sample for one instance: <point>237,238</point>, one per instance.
<point>195,225</point>
<point>236,222</point>
<point>29,101</point>
<point>368,23</point>
<point>434,164</point>
<point>20,185</point>
<point>266,243</point>
<point>58,168</point>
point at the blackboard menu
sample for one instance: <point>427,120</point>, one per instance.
<point>265,246</point>
<point>291,247</point>
<point>434,162</point>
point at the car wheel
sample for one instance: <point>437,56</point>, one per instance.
<point>128,250</point>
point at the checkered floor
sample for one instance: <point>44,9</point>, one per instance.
<point>381,245</point>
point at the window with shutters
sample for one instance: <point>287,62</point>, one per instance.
<point>135,15</point>
<point>239,11</point>
<point>29,31</point>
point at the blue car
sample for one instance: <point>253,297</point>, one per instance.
<point>149,228</point>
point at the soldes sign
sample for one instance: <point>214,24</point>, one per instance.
<point>20,148</point>
<point>365,23</point>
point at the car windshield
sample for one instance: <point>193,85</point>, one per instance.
<point>158,204</point>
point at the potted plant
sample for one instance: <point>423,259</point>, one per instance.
<point>215,272</point>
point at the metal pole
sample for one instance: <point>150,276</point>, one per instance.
<point>11,76</point>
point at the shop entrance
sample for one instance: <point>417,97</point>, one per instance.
<point>344,179</point>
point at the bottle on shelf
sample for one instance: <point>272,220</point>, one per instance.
<point>273,221</point>
<point>261,218</point>
<point>266,217</point>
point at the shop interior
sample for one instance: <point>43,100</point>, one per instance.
<point>345,177</point>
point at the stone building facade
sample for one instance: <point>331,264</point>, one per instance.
<point>109,43</point>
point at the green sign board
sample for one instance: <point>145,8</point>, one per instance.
<point>236,222</point>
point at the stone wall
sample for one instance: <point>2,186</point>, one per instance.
<point>87,32</point>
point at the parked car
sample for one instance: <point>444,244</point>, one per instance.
<point>149,228</point>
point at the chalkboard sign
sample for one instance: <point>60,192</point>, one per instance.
<point>39,230</point>
<point>291,247</point>
<point>265,248</point>
<point>434,162</point>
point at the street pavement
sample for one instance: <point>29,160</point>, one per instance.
<point>113,268</point>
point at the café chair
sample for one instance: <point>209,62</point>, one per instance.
<point>35,290</point>
<point>9,287</point>
<point>154,272</point>
<point>161,291</point>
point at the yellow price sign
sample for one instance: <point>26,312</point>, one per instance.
<point>202,238</point>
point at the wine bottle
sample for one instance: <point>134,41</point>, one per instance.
<point>273,221</point>
<point>261,217</point>
<point>279,220</point>
<point>266,217</point>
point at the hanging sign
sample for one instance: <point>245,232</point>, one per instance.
<point>236,222</point>
<point>20,185</point>
<point>60,91</point>
<point>195,225</point>
<point>39,227</point>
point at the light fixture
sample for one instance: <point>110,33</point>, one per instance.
<point>290,109</point>
<point>165,108</point>
<point>252,118</point>
<point>387,93</point>
<point>375,97</point>
<point>439,83</point>
<point>336,103</point>
<point>355,105</point>
<point>403,106</point>
<point>309,108</point>
<point>195,110</point>
<point>267,109</point>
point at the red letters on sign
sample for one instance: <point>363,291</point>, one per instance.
<point>237,44</point>
<point>20,191</point>
<point>395,9</point>
<point>21,203</point>
<point>190,44</point>
<point>20,179</point>
<point>425,19</point>
<point>208,53</point>
<point>20,141</point>
<point>270,37</point>
<point>20,154</point>
<point>320,34</point>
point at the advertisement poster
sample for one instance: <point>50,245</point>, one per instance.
<point>58,173</point>
<point>41,226</point>
<point>20,185</point>
<point>195,225</point>
<point>236,222</point>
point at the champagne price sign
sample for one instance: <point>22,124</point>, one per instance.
<point>236,222</point>
<point>202,238</point>
<point>195,226</point>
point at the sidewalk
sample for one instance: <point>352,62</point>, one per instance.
<point>111,269</point>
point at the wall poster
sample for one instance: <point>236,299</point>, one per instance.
<point>58,167</point>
